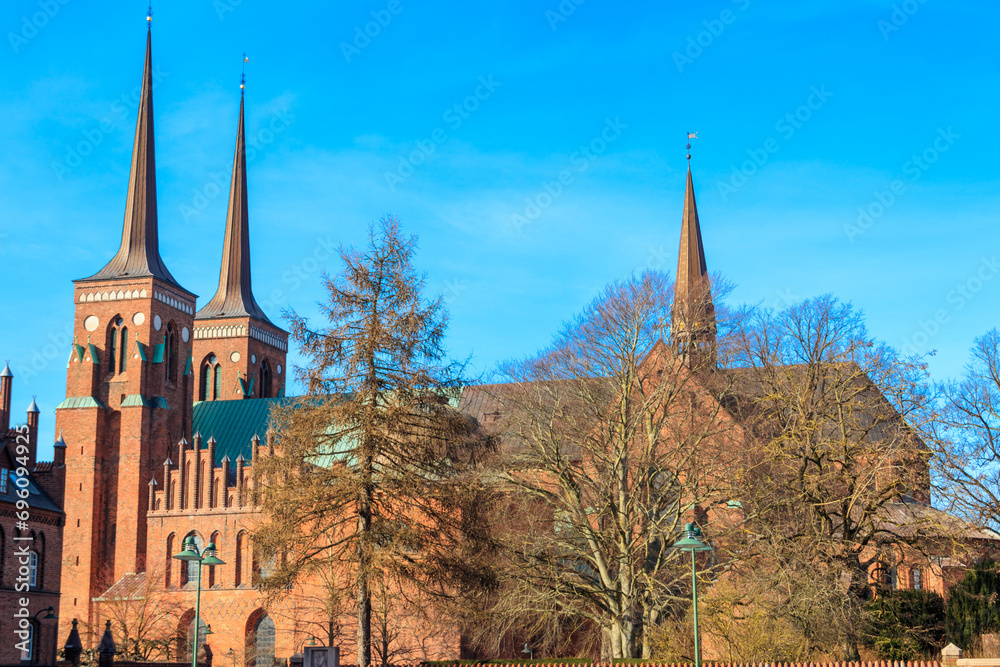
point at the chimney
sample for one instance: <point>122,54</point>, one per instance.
<point>59,453</point>
<point>32,433</point>
<point>6,381</point>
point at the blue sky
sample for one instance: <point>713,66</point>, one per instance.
<point>460,119</point>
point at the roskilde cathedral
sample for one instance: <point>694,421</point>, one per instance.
<point>166,408</point>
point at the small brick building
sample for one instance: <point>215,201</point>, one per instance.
<point>31,526</point>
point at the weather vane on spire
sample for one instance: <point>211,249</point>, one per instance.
<point>243,76</point>
<point>149,13</point>
<point>691,135</point>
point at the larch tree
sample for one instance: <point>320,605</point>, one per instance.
<point>374,465</point>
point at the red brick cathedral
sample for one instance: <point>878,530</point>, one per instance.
<point>165,405</point>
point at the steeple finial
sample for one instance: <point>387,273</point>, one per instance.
<point>139,253</point>
<point>693,313</point>
<point>149,17</point>
<point>234,298</point>
<point>243,75</point>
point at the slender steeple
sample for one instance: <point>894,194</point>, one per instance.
<point>139,254</point>
<point>234,298</point>
<point>693,315</point>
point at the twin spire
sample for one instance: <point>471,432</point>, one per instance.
<point>234,298</point>
<point>139,253</point>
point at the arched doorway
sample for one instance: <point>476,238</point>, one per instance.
<point>260,640</point>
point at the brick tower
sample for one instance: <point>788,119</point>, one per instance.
<point>238,352</point>
<point>128,390</point>
<point>692,318</point>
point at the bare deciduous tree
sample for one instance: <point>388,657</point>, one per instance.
<point>969,455</point>
<point>841,475</point>
<point>611,443</point>
<point>143,616</point>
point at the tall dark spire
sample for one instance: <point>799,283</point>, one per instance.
<point>234,297</point>
<point>139,254</point>
<point>693,315</point>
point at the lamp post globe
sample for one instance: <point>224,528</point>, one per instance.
<point>189,554</point>
<point>691,541</point>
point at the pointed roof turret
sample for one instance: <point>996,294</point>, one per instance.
<point>139,253</point>
<point>234,298</point>
<point>5,373</point>
<point>33,408</point>
<point>692,325</point>
<point>692,271</point>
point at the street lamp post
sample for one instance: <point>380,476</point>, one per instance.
<point>50,615</point>
<point>206,557</point>
<point>690,542</point>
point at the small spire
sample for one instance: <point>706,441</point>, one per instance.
<point>183,441</point>
<point>225,459</point>
<point>5,373</point>
<point>211,440</point>
<point>59,441</point>
<point>255,439</point>
<point>240,459</point>
<point>693,314</point>
<point>33,408</point>
<point>152,482</point>
<point>167,462</point>
<point>243,75</point>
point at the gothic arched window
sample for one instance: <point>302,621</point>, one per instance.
<point>123,351</point>
<point>264,391</point>
<point>189,573</point>
<point>211,379</point>
<point>115,344</point>
<point>218,383</point>
<point>170,560</point>
<point>260,640</point>
<point>170,352</point>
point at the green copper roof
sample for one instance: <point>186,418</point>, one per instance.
<point>233,424</point>
<point>79,402</point>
